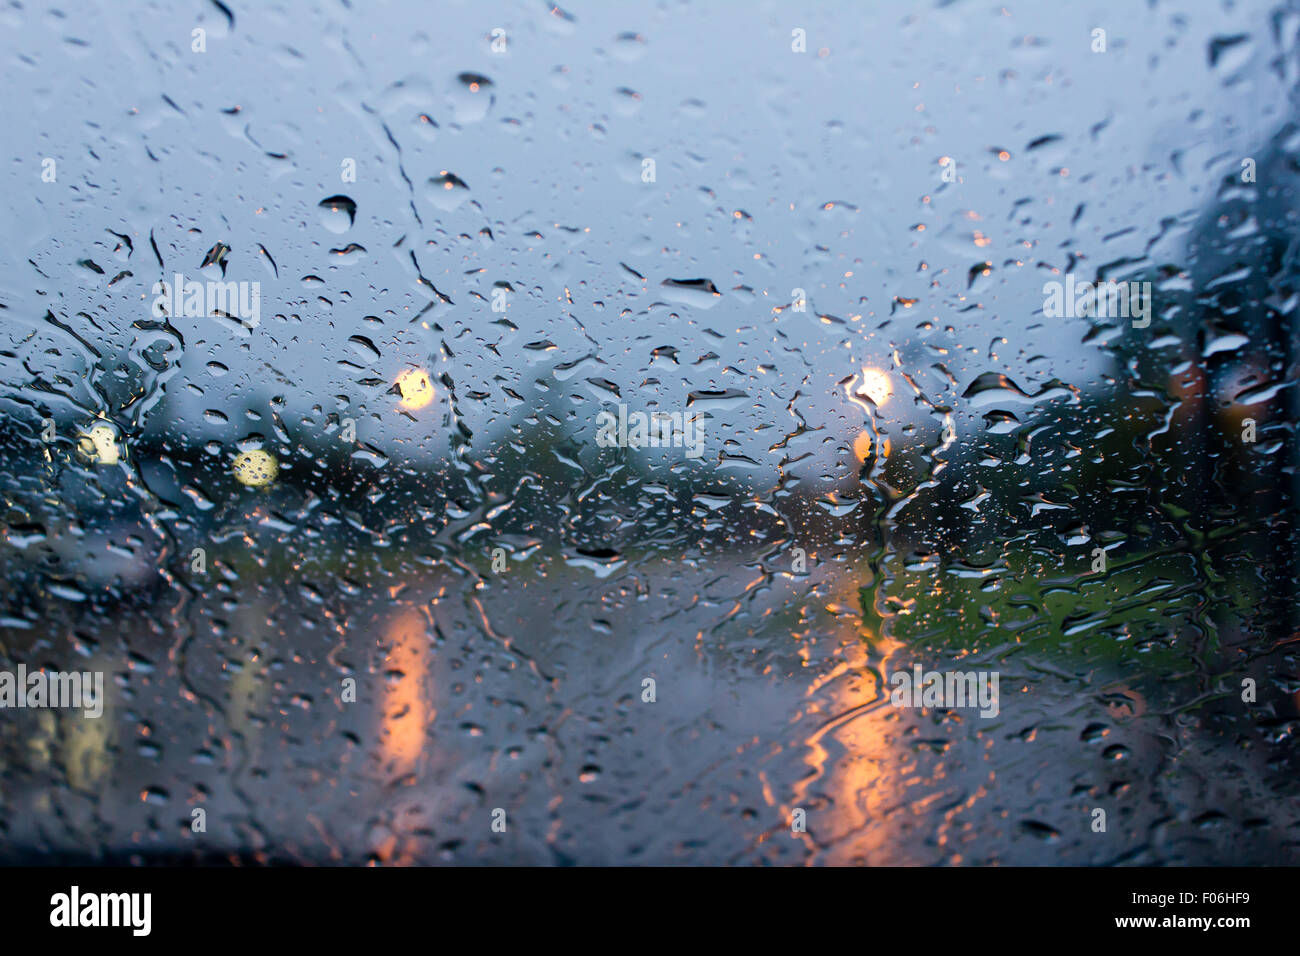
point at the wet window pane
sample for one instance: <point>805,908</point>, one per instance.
<point>649,433</point>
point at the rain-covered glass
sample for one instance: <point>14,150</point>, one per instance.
<point>655,432</point>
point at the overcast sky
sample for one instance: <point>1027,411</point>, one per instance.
<point>774,170</point>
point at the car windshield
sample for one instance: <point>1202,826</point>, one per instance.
<point>650,433</point>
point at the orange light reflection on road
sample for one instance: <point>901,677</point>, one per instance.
<point>407,715</point>
<point>407,710</point>
<point>857,767</point>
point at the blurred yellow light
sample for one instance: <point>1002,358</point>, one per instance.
<point>100,445</point>
<point>255,468</point>
<point>876,385</point>
<point>416,389</point>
